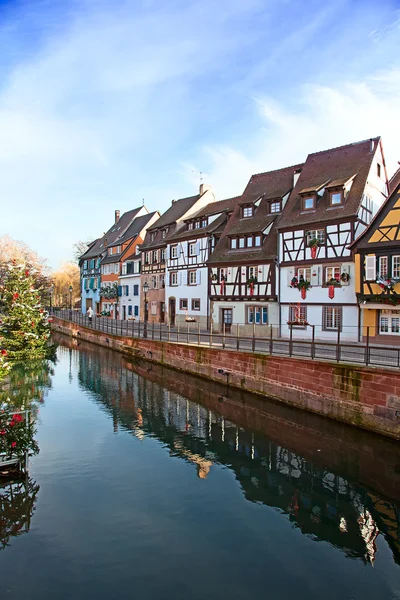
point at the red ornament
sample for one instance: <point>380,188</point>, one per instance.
<point>27,273</point>
<point>13,444</point>
<point>2,432</point>
<point>15,296</point>
<point>221,289</point>
<point>251,289</point>
<point>303,293</point>
<point>331,291</point>
<point>4,352</point>
<point>33,324</point>
<point>313,251</point>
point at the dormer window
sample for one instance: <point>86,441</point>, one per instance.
<point>153,236</point>
<point>197,225</point>
<point>164,233</point>
<point>336,198</point>
<point>204,222</point>
<point>308,203</point>
<point>275,207</point>
<point>247,212</point>
<point>233,243</point>
<point>190,225</point>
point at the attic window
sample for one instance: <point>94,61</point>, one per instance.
<point>378,170</point>
<point>336,198</point>
<point>153,236</point>
<point>308,203</point>
<point>190,225</point>
<point>275,206</point>
<point>204,222</point>
<point>247,212</point>
<point>164,233</point>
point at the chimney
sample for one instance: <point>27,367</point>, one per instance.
<point>371,145</point>
<point>203,188</point>
<point>117,213</point>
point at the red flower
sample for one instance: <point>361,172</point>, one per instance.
<point>4,352</point>
<point>12,423</point>
<point>2,432</point>
<point>13,444</point>
<point>17,418</point>
<point>27,273</point>
<point>16,295</point>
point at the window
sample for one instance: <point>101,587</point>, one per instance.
<point>163,255</point>
<point>126,290</point>
<point>383,266</point>
<point>153,236</point>
<point>204,222</point>
<point>155,253</point>
<point>136,290</point>
<point>332,318</point>
<point>183,304</point>
<point>247,211</point>
<point>223,274</point>
<point>233,243</point>
<point>241,242</point>
<point>190,226</point>
<point>192,249</point>
<point>86,284</point>
<point>257,315</point>
<point>130,310</point>
<point>118,249</point>
<point>162,281</point>
<point>174,251</point>
<point>318,234</point>
<point>85,264</point>
<point>192,278</point>
<point>378,170</point>
<point>304,272</point>
<point>396,266</point>
<point>251,272</point>
<point>110,251</point>
<point>154,282</point>
<point>136,311</point>
<point>257,240</point>
<point>195,303</point>
<point>116,268</point>
<point>124,267</point>
<point>153,307</point>
<point>309,203</point>
<point>298,314</point>
<point>174,278</point>
<point>147,258</point>
<point>389,322</point>
<point>249,241</point>
<point>164,233</point>
<point>332,273</point>
<point>275,207</point>
<point>335,198</point>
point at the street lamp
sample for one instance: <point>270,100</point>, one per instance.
<point>70,289</point>
<point>146,310</point>
<point>51,291</point>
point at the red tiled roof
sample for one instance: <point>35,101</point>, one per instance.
<point>331,165</point>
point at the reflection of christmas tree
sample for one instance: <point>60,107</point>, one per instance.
<point>17,505</point>
<point>27,382</point>
<point>24,330</point>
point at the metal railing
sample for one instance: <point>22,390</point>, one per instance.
<point>191,333</point>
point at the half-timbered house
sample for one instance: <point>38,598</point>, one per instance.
<point>90,261</point>
<point>242,268</point>
<point>154,251</point>
<point>336,195</point>
<point>377,264</point>
<point>187,253</point>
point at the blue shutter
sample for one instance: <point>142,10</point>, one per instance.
<point>91,283</point>
<point>127,290</point>
<point>130,310</point>
<point>265,315</point>
<point>92,263</point>
<point>136,313</point>
<point>136,290</point>
<point>120,290</point>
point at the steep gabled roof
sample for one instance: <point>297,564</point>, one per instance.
<point>134,229</point>
<point>272,185</point>
<point>322,169</point>
<point>214,208</point>
<point>394,181</point>
<point>112,234</point>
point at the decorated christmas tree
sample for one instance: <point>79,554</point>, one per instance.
<point>24,328</point>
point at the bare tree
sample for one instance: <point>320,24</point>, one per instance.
<point>67,275</point>
<point>80,248</point>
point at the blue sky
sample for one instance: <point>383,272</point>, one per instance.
<point>105,103</point>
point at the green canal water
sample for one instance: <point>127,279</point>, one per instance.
<point>156,485</point>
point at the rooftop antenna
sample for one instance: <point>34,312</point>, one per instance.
<point>142,201</point>
<point>201,173</point>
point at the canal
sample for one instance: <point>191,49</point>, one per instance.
<point>153,484</point>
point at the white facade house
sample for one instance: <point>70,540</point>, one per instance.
<point>335,198</point>
<point>129,284</point>
<point>187,286</point>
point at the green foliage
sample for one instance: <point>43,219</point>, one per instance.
<point>17,505</point>
<point>24,328</point>
<point>17,434</point>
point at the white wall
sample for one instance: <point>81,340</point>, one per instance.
<point>132,299</point>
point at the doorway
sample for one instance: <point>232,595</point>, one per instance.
<point>123,312</point>
<point>172,312</point>
<point>227,319</point>
<point>162,312</point>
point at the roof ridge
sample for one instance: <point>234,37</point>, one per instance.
<point>276,171</point>
<point>378,138</point>
<point>394,174</point>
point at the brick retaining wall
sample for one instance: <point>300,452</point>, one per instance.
<point>367,397</point>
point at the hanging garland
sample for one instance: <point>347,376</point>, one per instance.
<point>387,283</point>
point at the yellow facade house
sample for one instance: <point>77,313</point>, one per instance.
<point>377,271</point>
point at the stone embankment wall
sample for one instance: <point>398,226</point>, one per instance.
<point>366,397</point>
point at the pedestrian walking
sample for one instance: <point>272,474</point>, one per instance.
<point>90,314</point>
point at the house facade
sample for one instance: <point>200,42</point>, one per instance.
<point>243,268</point>
<point>154,307</point>
<point>116,253</point>
<point>90,261</point>
<point>336,195</point>
<point>377,269</point>
<point>187,253</point>
<point>129,286</point>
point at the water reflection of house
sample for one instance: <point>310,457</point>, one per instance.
<point>322,502</point>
